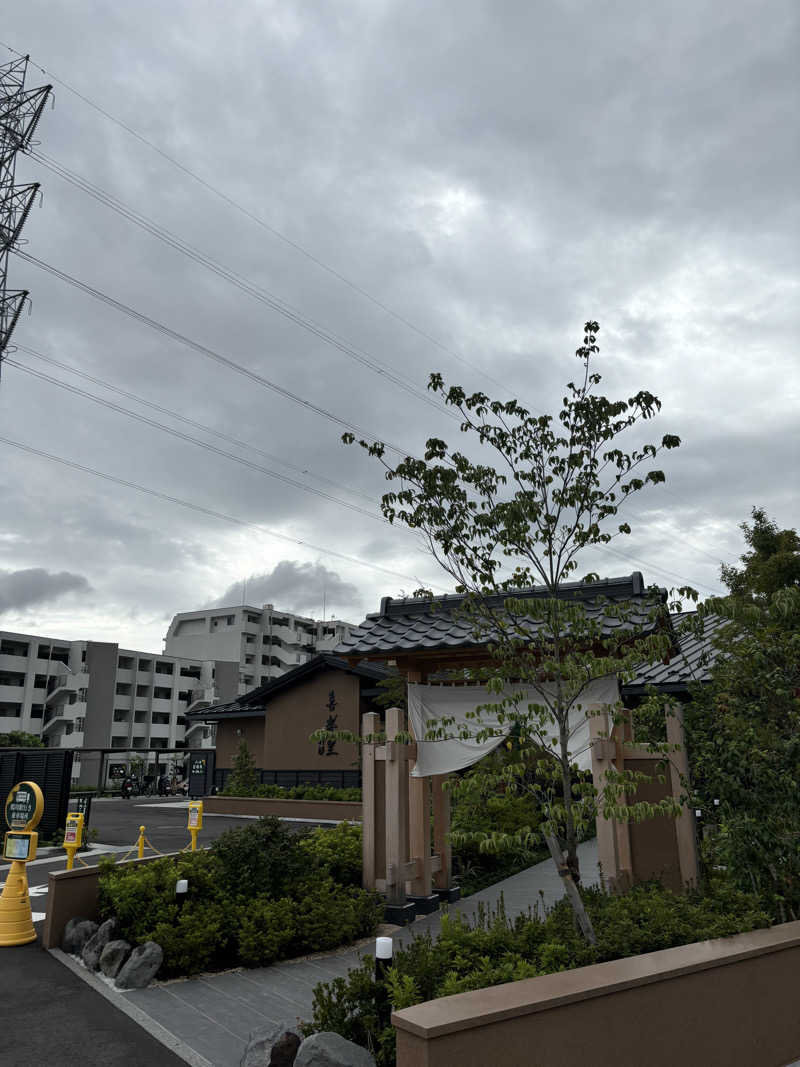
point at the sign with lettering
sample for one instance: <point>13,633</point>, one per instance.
<point>198,766</point>
<point>24,806</point>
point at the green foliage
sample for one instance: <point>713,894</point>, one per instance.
<point>743,736</point>
<point>494,949</point>
<point>300,792</point>
<point>772,564</point>
<point>259,894</point>
<point>20,739</point>
<point>245,776</point>
<point>259,859</point>
<point>335,852</point>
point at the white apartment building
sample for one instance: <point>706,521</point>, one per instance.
<point>265,642</point>
<point>93,694</point>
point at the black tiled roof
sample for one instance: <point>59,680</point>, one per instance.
<point>692,664</point>
<point>412,625</point>
<point>254,703</point>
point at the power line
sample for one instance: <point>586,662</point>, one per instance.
<point>244,284</point>
<point>202,349</point>
<point>76,391</point>
<point>201,509</point>
<point>354,286</point>
<point>193,422</point>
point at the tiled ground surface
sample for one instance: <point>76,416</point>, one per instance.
<point>214,1015</point>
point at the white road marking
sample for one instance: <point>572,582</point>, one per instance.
<point>39,916</point>
<point>38,890</point>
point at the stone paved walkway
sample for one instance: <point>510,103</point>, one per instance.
<point>215,1014</point>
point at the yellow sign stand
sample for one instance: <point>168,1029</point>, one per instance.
<point>24,808</point>
<point>73,836</point>
<point>195,823</point>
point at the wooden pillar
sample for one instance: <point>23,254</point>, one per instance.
<point>622,829</point>
<point>685,832</point>
<point>603,750</point>
<point>419,827</point>
<point>369,802</point>
<point>441,831</point>
<point>396,809</point>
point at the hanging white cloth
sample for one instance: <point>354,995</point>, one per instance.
<point>428,705</point>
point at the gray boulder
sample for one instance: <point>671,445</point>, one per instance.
<point>76,933</point>
<point>272,1046</point>
<point>93,948</point>
<point>113,956</point>
<point>327,1049</point>
<point>141,967</point>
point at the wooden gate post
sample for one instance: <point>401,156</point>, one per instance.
<point>442,879</point>
<point>685,832</point>
<point>603,752</point>
<point>369,801</point>
<point>396,810</point>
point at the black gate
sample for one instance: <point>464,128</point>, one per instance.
<point>51,769</point>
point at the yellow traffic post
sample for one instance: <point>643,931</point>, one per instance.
<point>140,842</point>
<point>73,836</point>
<point>24,807</point>
<point>195,823</point>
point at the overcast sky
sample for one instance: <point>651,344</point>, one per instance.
<point>493,174</point>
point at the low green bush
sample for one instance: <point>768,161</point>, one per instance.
<point>300,792</point>
<point>259,894</point>
<point>493,950</point>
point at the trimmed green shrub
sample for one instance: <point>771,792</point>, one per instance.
<point>300,792</point>
<point>330,914</point>
<point>267,928</point>
<point>335,852</point>
<point>262,859</point>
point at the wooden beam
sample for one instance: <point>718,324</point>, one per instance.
<point>396,810</point>
<point>369,800</point>
<point>419,825</point>
<point>441,831</point>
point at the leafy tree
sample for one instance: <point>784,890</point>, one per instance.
<point>20,739</point>
<point>548,489</point>
<point>773,562</point>
<point>244,778</point>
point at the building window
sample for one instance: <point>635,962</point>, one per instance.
<point>69,728</point>
<point>119,742</point>
<point>231,619</point>
<point>162,667</point>
<point>161,693</point>
<point>145,665</point>
<point>125,663</point>
<point>190,672</point>
<point>140,716</point>
<point>254,618</point>
<point>79,723</point>
<point>10,711</point>
<point>18,648</point>
<point>158,742</point>
<point>160,718</point>
<point>121,715</point>
<point>37,711</point>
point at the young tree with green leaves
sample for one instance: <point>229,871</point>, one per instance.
<point>543,490</point>
<point>244,777</point>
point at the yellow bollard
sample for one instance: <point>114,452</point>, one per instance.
<point>24,808</point>
<point>73,836</point>
<point>140,842</point>
<point>195,823</point>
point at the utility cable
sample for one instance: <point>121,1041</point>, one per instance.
<point>210,353</point>
<point>192,422</point>
<point>244,284</point>
<point>77,391</point>
<point>202,510</point>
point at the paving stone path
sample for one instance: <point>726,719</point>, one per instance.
<point>215,1014</point>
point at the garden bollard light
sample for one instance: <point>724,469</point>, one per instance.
<point>383,961</point>
<point>181,889</point>
<point>140,843</point>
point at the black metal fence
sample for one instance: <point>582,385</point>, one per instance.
<point>51,769</point>
<point>292,779</point>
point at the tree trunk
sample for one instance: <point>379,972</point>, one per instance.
<point>561,860</point>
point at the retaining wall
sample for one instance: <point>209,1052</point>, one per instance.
<point>730,1001</point>
<point>310,810</point>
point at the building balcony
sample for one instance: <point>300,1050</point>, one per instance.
<point>202,697</point>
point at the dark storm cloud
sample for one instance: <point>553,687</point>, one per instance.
<point>303,585</point>
<point>36,586</point>
<point>495,173</point>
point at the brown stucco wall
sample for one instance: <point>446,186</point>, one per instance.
<point>228,740</point>
<point>312,810</point>
<point>731,1001</point>
<point>291,717</point>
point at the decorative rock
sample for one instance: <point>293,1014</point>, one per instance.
<point>141,968</point>
<point>327,1049</point>
<point>113,956</point>
<point>76,933</point>
<point>272,1046</point>
<point>93,948</point>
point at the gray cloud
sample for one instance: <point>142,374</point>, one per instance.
<point>34,585</point>
<point>295,586</point>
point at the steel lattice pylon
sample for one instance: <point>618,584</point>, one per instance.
<point>20,111</point>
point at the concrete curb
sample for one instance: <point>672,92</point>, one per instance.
<point>174,1044</point>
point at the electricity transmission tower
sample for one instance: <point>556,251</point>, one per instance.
<point>20,111</point>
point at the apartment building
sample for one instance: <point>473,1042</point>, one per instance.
<point>265,641</point>
<point>94,694</point>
